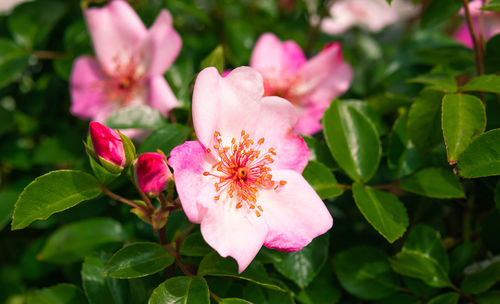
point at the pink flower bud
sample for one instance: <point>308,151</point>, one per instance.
<point>108,145</point>
<point>152,173</point>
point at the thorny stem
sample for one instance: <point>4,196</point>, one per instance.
<point>478,48</point>
<point>49,55</point>
<point>121,199</point>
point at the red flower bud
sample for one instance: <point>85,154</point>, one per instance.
<point>108,146</point>
<point>152,173</point>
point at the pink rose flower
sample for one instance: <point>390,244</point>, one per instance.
<point>491,24</point>
<point>372,15</point>
<point>310,85</point>
<point>242,180</point>
<point>130,63</point>
<point>108,145</point>
<point>152,173</point>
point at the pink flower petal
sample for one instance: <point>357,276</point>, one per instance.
<point>161,96</point>
<point>189,163</point>
<point>86,88</point>
<point>294,213</point>
<point>309,120</point>
<point>116,33</point>
<point>277,118</point>
<point>228,105</point>
<point>233,232</point>
<point>324,76</point>
<point>162,44</point>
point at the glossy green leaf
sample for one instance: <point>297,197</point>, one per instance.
<point>138,260</point>
<point>353,140</point>
<point>373,116</point>
<point>181,290</point>
<point>322,180</point>
<point>490,297</point>
<point>365,272</point>
<point>320,152</point>
<point>462,256</point>
<point>439,11</point>
<point>214,265</point>
<point>71,243</point>
<point>438,79</point>
<point>136,117</point>
<point>304,265</point>
<point>434,182</point>
<point>482,280</point>
<point>382,210</point>
<point>402,156</point>
<point>195,245</point>
<point>482,157</point>
<point>446,298</point>
<point>165,139</point>
<point>493,5</point>
<point>214,59</point>
<point>95,284</point>
<point>483,83</point>
<point>59,294</point>
<point>323,289</point>
<point>234,301</point>
<point>51,193</point>
<point>423,257</point>
<point>424,120</point>
<point>463,119</point>
<point>8,198</point>
<point>31,22</point>
<point>13,60</point>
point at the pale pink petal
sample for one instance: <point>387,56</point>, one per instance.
<point>162,44</point>
<point>294,213</point>
<point>277,119</point>
<point>238,233</point>
<point>189,162</point>
<point>116,33</point>
<point>463,36</point>
<point>161,96</point>
<point>228,105</point>
<point>87,97</point>
<point>324,76</point>
<point>309,120</point>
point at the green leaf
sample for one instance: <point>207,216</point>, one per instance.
<point>353,140</point>
<point>398,299</point>
<point>365,272</point>
<point>493,5</point>
<point>137,260</point>
<point>165,138</point>
<point>234,301</point>
<point>402,156</point>
<point>434,182</point>
<point>51,193</point>
<point>59,294</point>
<point>31,22</point>
<point>483,83</point>
<point>195,245</point>
<point>322,290</point>
<point>496,195</point>
<point>491,60</point>
<point>320,152</point>
<point>462,256</point>
<point>382,210</point>
<point>94,282</point>
<point>304,265</point>
<point>373,116</point>
<point>13,60</point>
<point>423,257</point>
<point>136,117</point>
<point>8,198</point>
<point>463,119</point>
<point>181,290</point>
<point>438,79</point>
<point>490,297</point>
<point>447,298</point>
<point>439,11</point>
<point>214,59</point>
<point>424,120</point>
<point>214,265</point>
<point>72,242</point>
<point>482,157</point>
<point>482,280</point>
<point>322,180</point>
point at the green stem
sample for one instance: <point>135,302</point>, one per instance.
<point>121,199</point>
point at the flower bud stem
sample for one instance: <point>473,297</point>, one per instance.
<point>121,199</point>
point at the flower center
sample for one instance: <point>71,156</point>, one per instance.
<point>242,170</point>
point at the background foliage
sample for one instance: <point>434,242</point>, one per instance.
<point>408,165</point>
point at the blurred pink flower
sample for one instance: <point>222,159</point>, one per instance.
<point>130,63</point>
<point>490,26</point>
<point>152,173</point>
<point>372,15</point>
<point>310,85</point>
<point>242,180</point>
<point>108,145</point>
